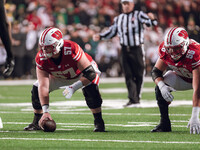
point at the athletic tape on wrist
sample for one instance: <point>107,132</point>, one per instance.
<point>77,85</point>
<point>45,108</point>
<point>160,84</point>
<point>195,112</point>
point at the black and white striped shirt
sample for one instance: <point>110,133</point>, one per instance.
<point>129,28</point>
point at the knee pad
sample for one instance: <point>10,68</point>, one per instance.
<point>35,98</point>
<point>159,97</point>
<point>92,96</point>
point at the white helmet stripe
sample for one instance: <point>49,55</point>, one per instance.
<point>45,33</point>
<point>169,39</point>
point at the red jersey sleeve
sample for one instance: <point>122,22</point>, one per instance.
<point>40,60</point>
<point>161,51</point>
<point>194,52</point>
<point>77,51</point>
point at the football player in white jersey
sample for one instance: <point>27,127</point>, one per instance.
<point>63,63</point>
<point>182,55</point>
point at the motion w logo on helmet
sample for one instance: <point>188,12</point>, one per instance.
<point>57,34</point>
<point>183,34</point>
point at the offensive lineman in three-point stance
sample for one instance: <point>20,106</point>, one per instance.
<point>63,63</point>
<point>182,55</point>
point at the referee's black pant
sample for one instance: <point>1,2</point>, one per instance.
<point>133,63</point>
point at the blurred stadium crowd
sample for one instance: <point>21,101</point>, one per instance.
<point>79,20</point>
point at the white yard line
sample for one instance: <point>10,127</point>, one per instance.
<point>107,103</point>
<point>98,140</point>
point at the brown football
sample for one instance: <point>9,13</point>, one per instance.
<point>48,125</point>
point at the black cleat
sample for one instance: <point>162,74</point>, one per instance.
<point>32,127</point>
<point>132,104</point>
<point>99,126</point>
<point>162,128</point>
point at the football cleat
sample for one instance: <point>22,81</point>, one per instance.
<point>32,127</point>
<point>99,126</point>
<point>162,128</point>
<point>132,104</point>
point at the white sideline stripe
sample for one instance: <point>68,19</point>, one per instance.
<point>93,140</point>
<point>102,80</point>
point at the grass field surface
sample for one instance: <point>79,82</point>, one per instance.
<point>127,128</point>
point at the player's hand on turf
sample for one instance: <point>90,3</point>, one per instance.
<point>68,92</point>
<point>194,125</point>
<point>9,66</point>
<point>166,91</point>
<point>45,115</point>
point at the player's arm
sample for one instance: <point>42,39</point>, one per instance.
<point>157,71</point>
<point>194,123</point>
<point>87,69</point>
<point>43,90</point>
<point>196,87</point>
<point>157,76</point>
<point>43,87</point>
<point>89,75</point>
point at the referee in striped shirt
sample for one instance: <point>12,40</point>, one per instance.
<point>129,26</point>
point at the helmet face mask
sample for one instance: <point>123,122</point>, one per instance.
<point>175,52</point>
<point>51,42</point>
<point>176,43</point>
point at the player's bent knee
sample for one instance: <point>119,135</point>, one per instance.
<point>92,96</point>
<point>35,98</point>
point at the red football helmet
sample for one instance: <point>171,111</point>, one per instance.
<point>176,42</point>
<point>51,41</point>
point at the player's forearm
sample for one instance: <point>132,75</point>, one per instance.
<point>43,95</point>
<point>84,81</point>
<point>196,99</point>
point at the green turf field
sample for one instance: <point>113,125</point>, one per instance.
<point>127,128</point>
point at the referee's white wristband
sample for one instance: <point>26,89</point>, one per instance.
<point>45,108</point>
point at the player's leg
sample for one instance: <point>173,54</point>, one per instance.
<point>165,125</point>
<point>55,83</point>
<point>37,109</point>
<point>173,80</point>
<point>5,35</point>
<point>94,101</point>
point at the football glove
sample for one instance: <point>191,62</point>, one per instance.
<point>166,91</point>
<point>68,92</point>
<point>9,66</point>
<point>194,123</point>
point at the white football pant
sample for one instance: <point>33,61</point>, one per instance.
<point>176,82</point>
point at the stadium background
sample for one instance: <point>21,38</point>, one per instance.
<point>80,19</point>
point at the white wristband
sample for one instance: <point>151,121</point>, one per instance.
<point>77,85</point>
<point>45,108</point>
<point>161,84</point>
<point>195,113</point>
